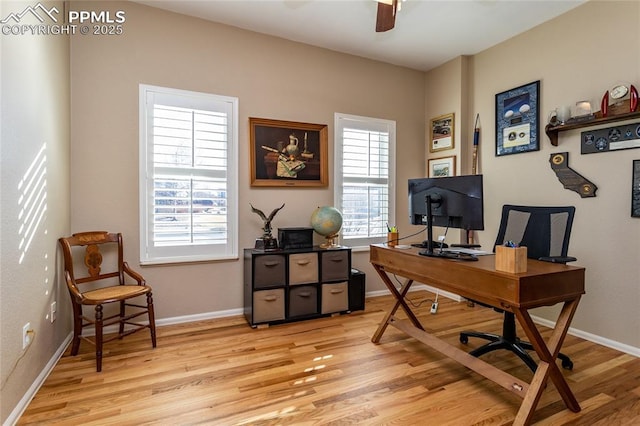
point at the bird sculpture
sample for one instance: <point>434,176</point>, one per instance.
<point>266,227</point>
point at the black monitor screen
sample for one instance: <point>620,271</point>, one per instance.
<point>456,201</point>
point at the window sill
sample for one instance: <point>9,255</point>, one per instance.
<point>186,260</point>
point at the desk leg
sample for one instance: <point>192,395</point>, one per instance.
<point>547,366</point>
<point>399,296</point>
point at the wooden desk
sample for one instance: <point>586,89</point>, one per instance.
<point>543,284</point>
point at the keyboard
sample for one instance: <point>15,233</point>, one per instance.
<point>467,251</point>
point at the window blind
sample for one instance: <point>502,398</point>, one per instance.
<point>364,176</point>
<point>188,188</point>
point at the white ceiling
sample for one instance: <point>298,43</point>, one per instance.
<point>427,34</point>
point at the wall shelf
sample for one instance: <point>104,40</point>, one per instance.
<point>553,131</point>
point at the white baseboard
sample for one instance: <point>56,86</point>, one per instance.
<point>446,294</point>
<point>39,381</point>
<point>199,317</point>
<point>622,347</point>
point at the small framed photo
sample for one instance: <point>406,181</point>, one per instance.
<point>635,190</point>
<point>441,133</point>
<point>518,120</point>
<point>288,154</point>
<point>442,167</point>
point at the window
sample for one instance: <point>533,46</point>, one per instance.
<point>188,176</point>
<point>364,178</point>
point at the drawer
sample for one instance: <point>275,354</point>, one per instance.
<point>303,268</point>
<point>335,265</point>
<point>335,297</point>
<point>269,270</point>
<point>268,305</point>
<point>303,300</point>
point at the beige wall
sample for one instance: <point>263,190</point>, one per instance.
<point>573,61</point>
<point>278,79</point>
<point>272,78</point>
<point>35,139</point>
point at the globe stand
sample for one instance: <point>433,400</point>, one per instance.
<point>331,242</point>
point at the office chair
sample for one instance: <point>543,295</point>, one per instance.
<point>89,285</point>
<point>545,232</point>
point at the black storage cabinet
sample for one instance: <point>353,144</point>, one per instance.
<point>357,290</point>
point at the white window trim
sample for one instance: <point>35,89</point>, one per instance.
<point>365,123</point>
<point>182,254</point>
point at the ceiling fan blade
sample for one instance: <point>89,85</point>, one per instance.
<point>386,19</point>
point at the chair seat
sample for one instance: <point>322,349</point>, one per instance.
<point>113,293</point>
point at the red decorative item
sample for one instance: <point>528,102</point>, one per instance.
<point>604,105</point>
<point>633,99</point>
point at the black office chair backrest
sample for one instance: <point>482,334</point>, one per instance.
<point>544,231</point>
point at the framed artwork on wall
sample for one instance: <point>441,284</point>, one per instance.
<point>635,190</point>
<point>287,153</point>
<point>441,133</point>
<point>442,167</point>
<point>518,120</point>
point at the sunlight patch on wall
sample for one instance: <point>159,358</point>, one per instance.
<point>32,201</point>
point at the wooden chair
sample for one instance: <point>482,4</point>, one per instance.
<point>101,288</point>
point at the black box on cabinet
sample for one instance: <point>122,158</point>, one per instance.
<point>356,290</point>
<point>294,238</point>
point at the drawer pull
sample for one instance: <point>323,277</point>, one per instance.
<point>305,294</point>
<point>337,259</point>
<point>302,262</point>
<point>336,290</point>
<point>270,298</point>
<point>271,264</point>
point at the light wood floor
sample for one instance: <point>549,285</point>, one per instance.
<point>322,372</point>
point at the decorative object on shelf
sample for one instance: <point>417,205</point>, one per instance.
<point>583,108</point>
<point>278,159</point>
<point>625,136</point>
<point>327,222</point>
<point>517,120</point>
<point>295,238</point>
<point>560,115</point>
<point>620,99</point>
<point>442,167</point>
<point>442,133</point>
<point>569,178</point>
<point>266,242</point>
<point>635,189</point>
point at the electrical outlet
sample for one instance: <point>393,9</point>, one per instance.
<point>52,311</point>
<point>434,307</point>
<point>26,335</point>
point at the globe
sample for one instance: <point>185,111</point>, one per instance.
<point>327,221</point>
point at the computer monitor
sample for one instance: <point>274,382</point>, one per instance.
<point>454,202</point>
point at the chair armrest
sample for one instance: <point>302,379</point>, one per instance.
<point>558,259</point>
<point>73,288</point>
<point>133,274</point>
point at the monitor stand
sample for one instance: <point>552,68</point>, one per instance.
<point>430,252</point>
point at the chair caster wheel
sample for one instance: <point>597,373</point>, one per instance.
<point>567,364</point>
<point>464,339</point>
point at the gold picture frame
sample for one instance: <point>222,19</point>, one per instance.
<point>288,153</point>
<point>441,133</point>
<point>442,167</point>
